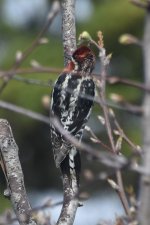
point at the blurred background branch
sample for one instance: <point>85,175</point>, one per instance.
<point>21,56</point>
<point>145,179</point>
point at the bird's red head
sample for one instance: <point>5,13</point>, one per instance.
<point>82,59</point>
<point>82,53</point>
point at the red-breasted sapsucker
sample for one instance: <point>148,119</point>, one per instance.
<point>72,101</point>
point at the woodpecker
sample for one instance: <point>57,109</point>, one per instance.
<point>71,102</point>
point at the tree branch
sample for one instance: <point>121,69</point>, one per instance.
<point>70,201</point>
<point>23,111</point>
<point>68,28</point>
<point>14,175</point>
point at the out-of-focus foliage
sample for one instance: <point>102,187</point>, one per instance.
<point>3,203</point>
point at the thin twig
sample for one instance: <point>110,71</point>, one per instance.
<point>53,12</point>
<point>37,69</point>
<point>101,87</point>
<point>110,79</point>
<point>135,148</point>
<point>6,219</point>
<point>40,83</point>
<point>95,139</point>
<point>121,191</point>
<point>136,110</point>
<point>116,80</point>
<point>140,3</point>
<point>24,111</point>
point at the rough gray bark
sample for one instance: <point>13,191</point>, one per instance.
<point>70,201</point>
<point>144,211</point>
<point>68,28</point>
<point>14,176</point>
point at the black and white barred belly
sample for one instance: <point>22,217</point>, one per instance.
<point>72,100</point>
